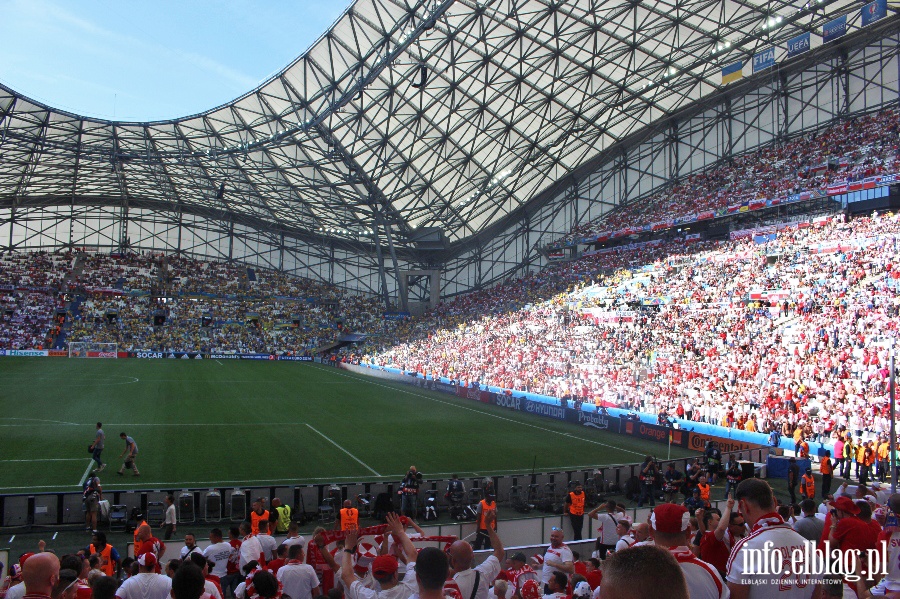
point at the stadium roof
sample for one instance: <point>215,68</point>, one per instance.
<point>449,114</point>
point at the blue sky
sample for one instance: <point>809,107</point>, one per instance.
<point>141,61</point>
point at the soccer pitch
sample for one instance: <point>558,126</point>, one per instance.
<point>223,423</point>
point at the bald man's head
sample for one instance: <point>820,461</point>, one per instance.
<point>641,532</point>
<point>144,532</point>
<point>40,573</point>
<point>640,572</point>
<point>461,556</point>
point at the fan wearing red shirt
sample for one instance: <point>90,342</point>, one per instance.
<point>848,532</point>
<point>147,543</point>
<point>716,544</point>
<point>594,575</point>
<point>280,559</point>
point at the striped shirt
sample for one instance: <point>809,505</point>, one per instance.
<point>787,585</point>
<point>703,581</point>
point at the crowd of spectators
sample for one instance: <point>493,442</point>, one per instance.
<point>863,147</point>
<point>274,313</point>
<point>33,270</point>
<point>794,332</point>
<point>691,550</point>
<point>27,319</point>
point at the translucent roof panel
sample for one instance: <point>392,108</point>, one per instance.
<point>450,114</point>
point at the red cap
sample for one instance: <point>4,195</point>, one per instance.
<point>669,518</point>
<point>530,590</point>
<point>384,565</point>
<point>846,504</point>
<point>148,560</point>
<point>24,557</point>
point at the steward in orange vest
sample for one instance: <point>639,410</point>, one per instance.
<point>486,506</point>
<point>109,557</point>
<point>808,485</point>
<point>575,503</point>
<point>256,516</point>
<point>349,516</point>
<point>704,491</point>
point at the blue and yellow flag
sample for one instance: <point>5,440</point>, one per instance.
<point>732,72</point>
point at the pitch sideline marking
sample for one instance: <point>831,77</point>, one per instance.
<point>45,460</point>
<point>86,471</point>
<point>562,434</point>
<point>366,466</point>
<point>44,420</point>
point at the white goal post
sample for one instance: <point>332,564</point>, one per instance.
<point>91,349</point>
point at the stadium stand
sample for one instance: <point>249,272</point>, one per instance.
<point>854,150</point>
<point>744,343</point>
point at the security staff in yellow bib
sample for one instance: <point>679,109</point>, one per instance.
<point>282,514</point>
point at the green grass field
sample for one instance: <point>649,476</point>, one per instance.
<point>222,423</point>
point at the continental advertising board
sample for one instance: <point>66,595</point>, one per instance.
<point>697,442</point>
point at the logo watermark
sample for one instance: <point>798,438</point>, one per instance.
<point>808,561</point>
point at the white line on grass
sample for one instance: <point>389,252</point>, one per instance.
<point>86,471</point>
<point>43,420</point>
<point>46,460</point>
<point>243,424</point>
<point>367,467</point>
<point>447,403</point>
<point>219,363</point>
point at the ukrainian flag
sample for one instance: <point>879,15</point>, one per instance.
<point>732,72</point>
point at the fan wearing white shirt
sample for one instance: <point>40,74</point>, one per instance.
<point>298,579</point>
<point>671,529</point>
<point>147,584</point>
<point>473,583</point>
<point>218,552</point>
<point>293,536</point>
<point>384,568</point>
<point>557,558</point>
<point>267,541</point>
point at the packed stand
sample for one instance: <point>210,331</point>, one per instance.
<point>111,272</point>
<point>243,316</point>
<point>713,332</point>
<point>33,270</point>
<point>863,147</point>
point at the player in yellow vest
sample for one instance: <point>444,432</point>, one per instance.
<point>349,516</point>
<point>486,507</point>
<point>575,506</point>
